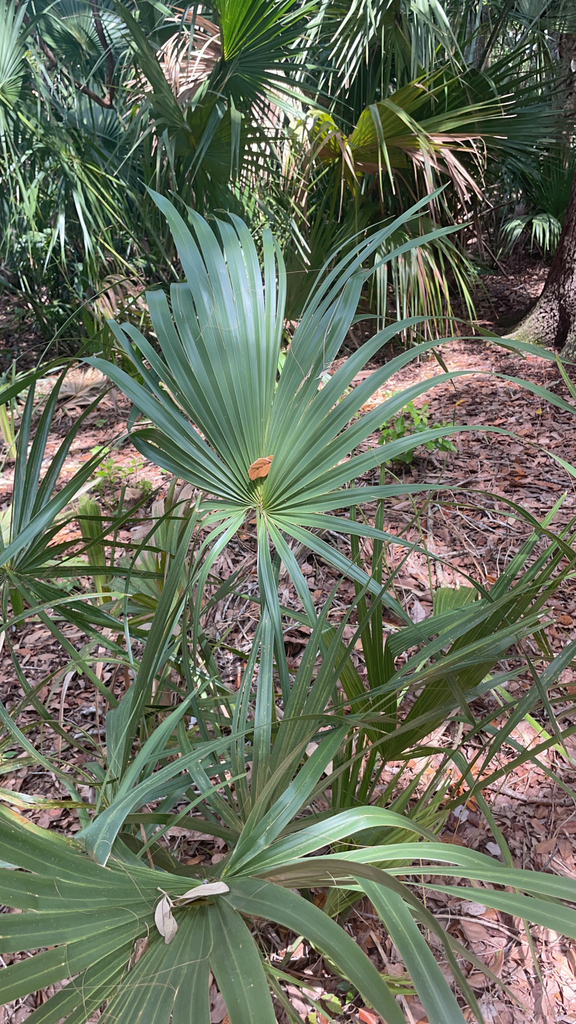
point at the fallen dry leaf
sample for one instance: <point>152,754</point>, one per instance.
<point>260,468</point>
<point>546,846</point>
<point>475,932</point>
<point>478,910</point>
<point>138,950</point>
<point>417,612</point>
<point>218,1012</point>
<point>479,980</point>
<point>201,892</point>
<point>165,920</point>
<point>367,1017</point>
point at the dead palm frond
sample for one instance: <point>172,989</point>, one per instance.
<point>187,58</point>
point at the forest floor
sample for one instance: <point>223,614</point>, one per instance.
<point>473,527</point>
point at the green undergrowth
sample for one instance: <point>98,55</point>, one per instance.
<point>300,771</point>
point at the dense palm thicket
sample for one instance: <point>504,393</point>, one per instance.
<point>271,170</point>
<point>320,120</point>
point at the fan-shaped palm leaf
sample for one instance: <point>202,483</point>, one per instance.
<point>217,407</point>
<point>11,53</point>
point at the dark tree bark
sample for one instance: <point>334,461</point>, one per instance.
<point>107,50</point>
<point>552,321</point>
<point>567,55</point>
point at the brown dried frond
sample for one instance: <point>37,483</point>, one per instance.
<point>185,61</point>
<point>119,295</point>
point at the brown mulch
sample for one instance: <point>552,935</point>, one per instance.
<point>476,537</point>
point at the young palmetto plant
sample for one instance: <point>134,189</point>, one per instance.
<point>27,551</point>
<point>285,446</point>
<point>247,770</point>
<point>39,572</point>
<point>445,658</point>
<point>254,441</point>
<point>101,914</point>
<point>280,446</point>
<point>101,917</point>
<point>138,932</point>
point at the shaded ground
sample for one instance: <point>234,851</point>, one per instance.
<point>477,537</point>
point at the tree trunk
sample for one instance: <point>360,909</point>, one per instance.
<point>567,55</point>
<point>552,321</point>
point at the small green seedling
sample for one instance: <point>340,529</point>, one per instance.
<point>111,476</point>
<point>413,421</point>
